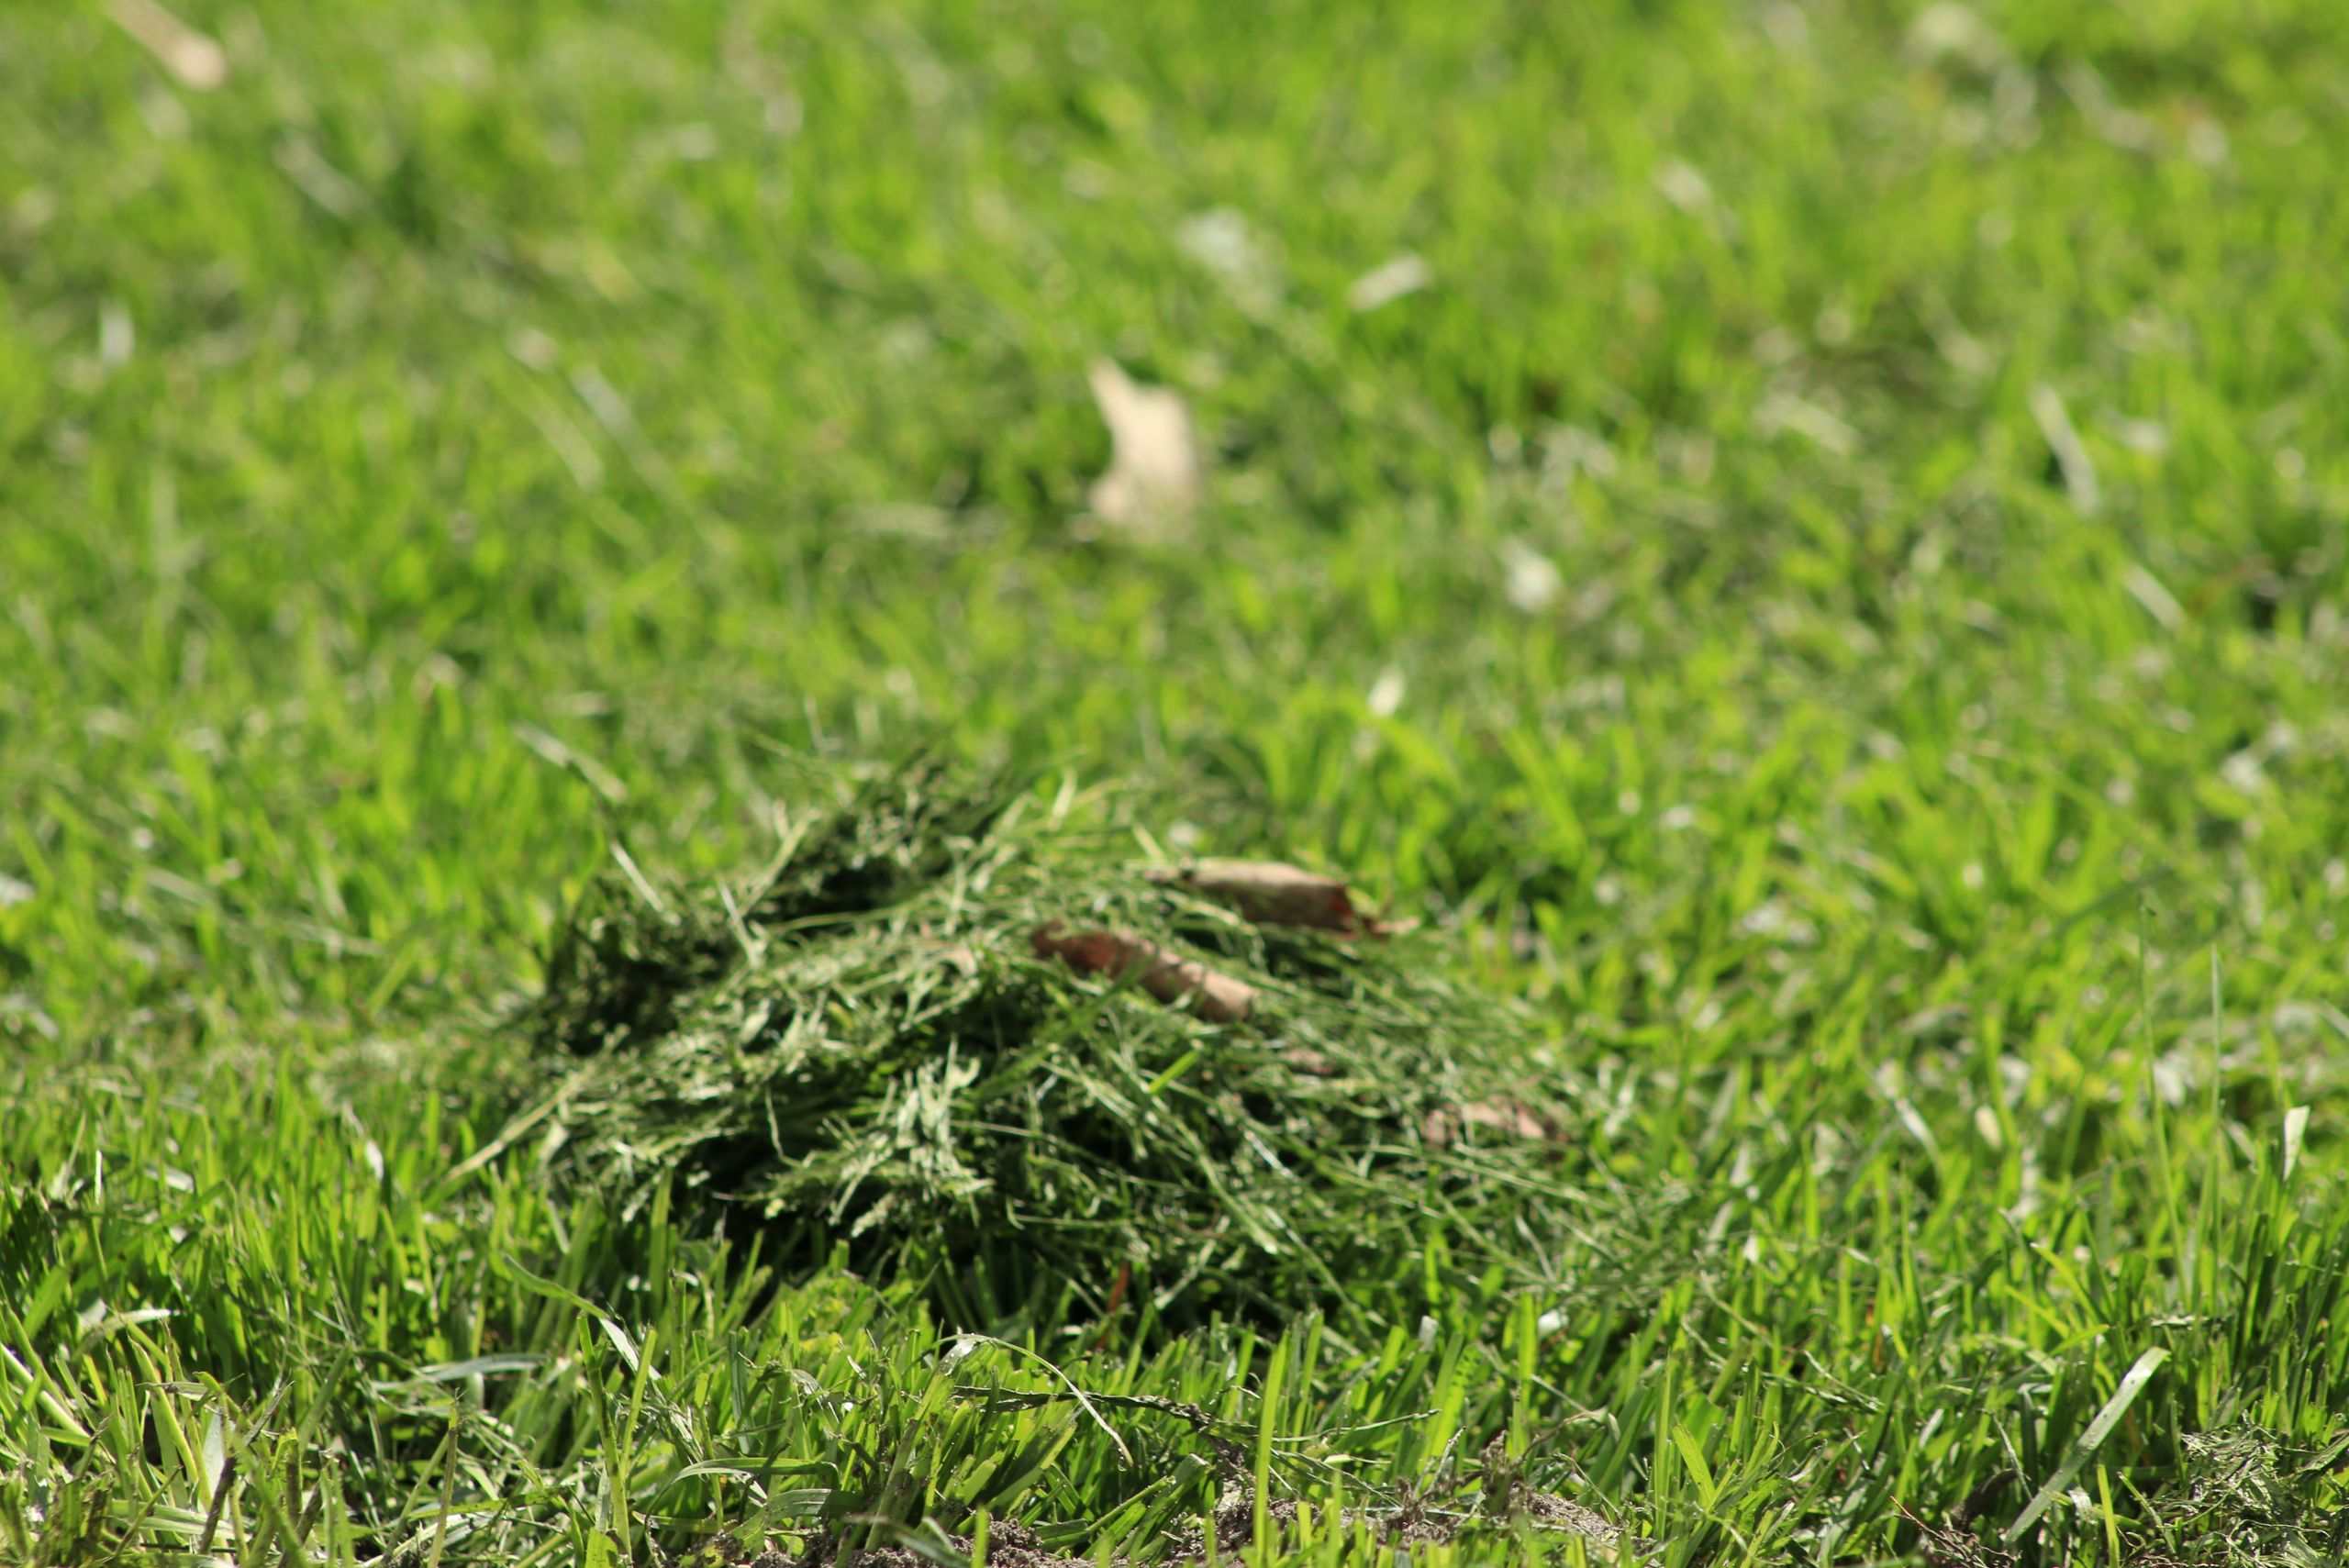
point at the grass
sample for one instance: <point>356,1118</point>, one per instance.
<point>1833,596</point>
<point>881,1041</point>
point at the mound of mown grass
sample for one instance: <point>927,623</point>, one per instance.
<point>944,1028</point>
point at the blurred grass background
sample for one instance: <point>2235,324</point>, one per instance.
<point>678,381</point>
<point>1848,535</point>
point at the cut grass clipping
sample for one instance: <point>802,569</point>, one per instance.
<point>999,1048</point>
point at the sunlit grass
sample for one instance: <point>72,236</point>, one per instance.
<point>1830,587</point>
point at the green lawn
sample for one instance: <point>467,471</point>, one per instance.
<point>1833,592</point>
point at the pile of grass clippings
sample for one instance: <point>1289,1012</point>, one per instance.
<point>961,1033</point>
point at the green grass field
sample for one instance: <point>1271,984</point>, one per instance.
<point>1831,592</point>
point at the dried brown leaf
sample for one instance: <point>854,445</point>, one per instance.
<point>1504,1115</point>
<point>1155,476</point>
<point>1165,974</point>
<point>1271,893</point>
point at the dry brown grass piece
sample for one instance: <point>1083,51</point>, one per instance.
<point>1440,1126</point>
<point>1164,973</point>
<point>1271,893</point>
